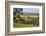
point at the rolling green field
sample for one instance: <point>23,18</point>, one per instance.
<point>20,25</point>
<point>34,21</point>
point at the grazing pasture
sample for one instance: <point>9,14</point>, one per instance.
<point>27,20</point>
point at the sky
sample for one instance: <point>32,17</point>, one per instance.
<point>30,10</point>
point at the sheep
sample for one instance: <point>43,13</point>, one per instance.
<point>27,20</point>
<point>24,19</point>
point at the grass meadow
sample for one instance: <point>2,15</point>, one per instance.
<point>27,20</point>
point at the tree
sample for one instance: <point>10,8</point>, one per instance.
<point>17,12</point>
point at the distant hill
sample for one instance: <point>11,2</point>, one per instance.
<point>31,14</point>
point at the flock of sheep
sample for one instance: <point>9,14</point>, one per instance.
<point>26,19</point>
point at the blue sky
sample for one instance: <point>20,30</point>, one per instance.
<point>30,10</point>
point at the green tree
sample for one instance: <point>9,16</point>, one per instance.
<point>17,12</point>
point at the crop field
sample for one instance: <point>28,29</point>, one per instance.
<point>26,20</point>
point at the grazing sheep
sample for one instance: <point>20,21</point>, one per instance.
<point>27,20</point>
